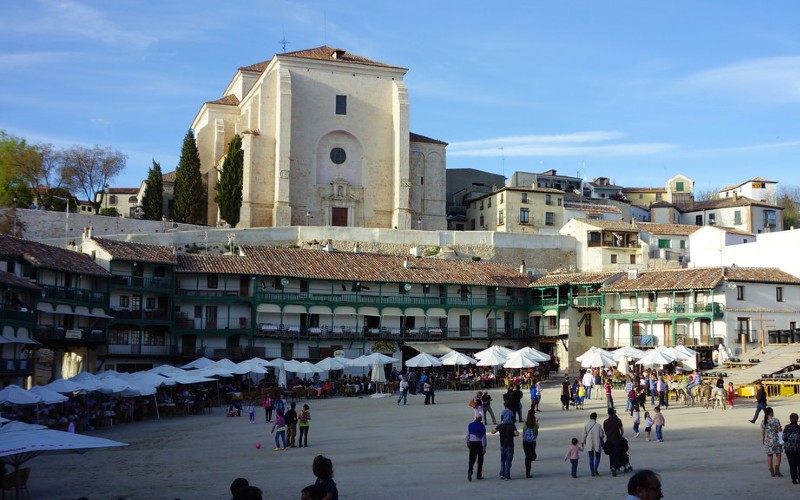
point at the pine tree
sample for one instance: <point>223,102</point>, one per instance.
<point>189,198</point>
<point>153,197</point>
<point>229,186</point>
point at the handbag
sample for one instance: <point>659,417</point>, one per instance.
<point>473,403</point>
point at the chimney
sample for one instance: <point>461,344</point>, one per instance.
<point>522,268</point>
<point>328,246</point>
<point>406,263</point>
<point>356,248</point>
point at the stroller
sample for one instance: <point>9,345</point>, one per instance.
<point>624,459</point>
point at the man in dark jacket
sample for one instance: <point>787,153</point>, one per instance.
<point>290,417</point>
<point>761,400</point>
<point>614,430</point>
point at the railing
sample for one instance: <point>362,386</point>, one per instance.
<point>356,299</point>
<point>587,301</point>
<point>140,281</point>
<point>45,333</point>
<point>139,350</point>
<point>185,292</point>
<point>140,314</point>
<point>561,302</point>
<point>242,323</point>
<point>73,294</point>
<point>10,366</point>
<point>382,333</point>
<point>676,308</point>
<point>17,315</point>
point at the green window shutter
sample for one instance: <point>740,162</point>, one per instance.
<point>664,244</point>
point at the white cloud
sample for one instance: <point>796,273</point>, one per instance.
<point>774,79</point>
<point>101,123</point>
<point>17,60</point>
<point>598,143</point>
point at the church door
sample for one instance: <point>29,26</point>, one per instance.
<point>339,216</point>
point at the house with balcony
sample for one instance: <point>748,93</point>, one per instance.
<point>141,296</point>
<point>17,322</point>
<point>545,180</point>
<point>308,303</point>
<point>565,312</point>
<point>518,210</point>
<point>607,246</point>
<point>698,307</point>
<point>72,306</point>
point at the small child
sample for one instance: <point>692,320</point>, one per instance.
<point>731,394</point>
<point>251,411</point>
<point>581,394</point>
<point>636,419</point>
<point>658,421</point>
<point>648,424</point>
<point>573,452</point>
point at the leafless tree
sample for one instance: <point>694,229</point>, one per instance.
<point>88,170</point>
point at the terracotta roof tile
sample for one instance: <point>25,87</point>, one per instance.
<point>49,257</point>
<point>421,138</point>
<point>12,280</point>
<point>760,275</point>
<point>557,279</point>
<point>730,201</point>
<point>643,190</point>
<point>318,264</point>
<point>613,225</point>
<point>323,53</point>
<point>124,250</point>
<point>734,186</point>
<point>228,100</point>
<point>700,278</point>
<point>123,190</point>
<point>668,229</point>
<point>168,177</point>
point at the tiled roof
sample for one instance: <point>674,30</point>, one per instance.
<point>592,207</point>
<point>643,190</point>
<point>123,250</point>
<point>727,202</point>
<point>613,225</point>
<point>228,100</point>
<point>49,257</point>
<point>421,138</point>
<point>12,280</point>
<point>168,177</point>
<point>734,186</point>
<point>700,278</point>
<point>557,279</point>
<point>123,190</point>
<point>668,229</point>
<point>348,266</point>
<point>323,53</point>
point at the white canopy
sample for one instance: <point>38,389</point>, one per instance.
<point>492,359</point>
<point>65,386</point>
<point>519,359</point>
<point>48,396</point>
<point>627,352</point>
<point>423,360</point>
<point>16,395</point>
<point>328,364</point>
<point>657,356</point>
<point>198,363</point>
<point>383,358</point>
<point>250,366</point>
<point>495,349</point>
<point>303,368</point>
<point>595,358</point>
<point>454,358</point>
<point>534,354</point>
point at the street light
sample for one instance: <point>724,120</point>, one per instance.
<point>419,223</point>
<point>308,217</point>
<point>66,210</point>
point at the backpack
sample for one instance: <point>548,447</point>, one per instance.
<point>529,435</point>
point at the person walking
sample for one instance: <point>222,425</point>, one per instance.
<point>508,431</point>
<point>614,430</point>
<point>607,390</point>
<point>486,404</point>
<point>403,391</point>
<point>251,412</point>
<point>573,453</point>
<point>593,437</point>
<point>516,403</point>
<point>477,404</point>
<point>565,393</point>
<point>731,394</point>
<point>530,432</point>
<point>761,400</point>
<point>279,428</point>
<point>304,422</point>
<point>770,431</point>
<point>598,384</point>
<point>658,423</point>
<point>637,419</point>
<point>588,382</point>
<point>426,390</point>
<point>791,446</point>
<point>290,417</point>
<point>539,390</point>
<point>663,393</point>
<point>648,425</point>
<point>476,444</point>
<point>268,407</point>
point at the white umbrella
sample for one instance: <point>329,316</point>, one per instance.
<point>198,363</point>
<point>64,386</point>
<point>328,364</point>
<point>724,354</point>
<point>492,359</point>
<point>16,395</point>
<point>191,378</point>
<point>627,352</point>
<point>423,360</point>
<point>360,362</point>
<point>262,362</point>
<point>168,371</point>
<point>303,368</point>
<point>225,363</point>
<point>594,349</point>
<point>378,375</point>
<point>656,357</point>
<point>454,358</point>
<point>495,349</point>
<point>48,396</point>
<point>596,359</point>
<point>278,362</point>
<point>250,366</point>
<point>215,371</point>
<point>519,359</point>
<point>147,378</point>
<point>386,360</point>
<point>22,442</point>
<point>534,354</point>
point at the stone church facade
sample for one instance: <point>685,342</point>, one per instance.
<point>326,142</point>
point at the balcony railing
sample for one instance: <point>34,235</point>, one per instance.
<point>382,333</point>
<point>588,301</point>
<point>17,315</point>
<point>142,314</point>
<point>139,350</point>
<point>701,308</point>
<point>50,333</point>
<point>185,292</point>
<point>139,281</point>
<point>15,367</point>
<point>73,294</point>
<point>390,300</point>
<point>551,302</point>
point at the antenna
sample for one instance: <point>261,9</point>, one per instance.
<point>283,41</point>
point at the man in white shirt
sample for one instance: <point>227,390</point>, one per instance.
<point>588,382</point>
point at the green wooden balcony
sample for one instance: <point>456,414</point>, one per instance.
<point>363,299</point>
<point>78,296</point>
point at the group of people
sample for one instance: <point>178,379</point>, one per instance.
<point>323,488</point>
<point>776,439</point>
<point>423,383</point>
<point>287,422</point>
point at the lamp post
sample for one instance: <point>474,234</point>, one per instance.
<point>419,223</point>
<point>308,217</point>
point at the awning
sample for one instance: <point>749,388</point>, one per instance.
<point>268,308</point>
<point>414,311</point>
<point>45,307</point>
<point>551,312</point>
<point>292,308</point>
<point>368,311</point>
<point>391,311</point>
<point>535,313</point>
<point>98,312</point>
<point>436,312</point>
<point>320,310</point>
<point>16,340</point>
<point>344,310</point>
<point>63,309</point>
<point>432,348</point>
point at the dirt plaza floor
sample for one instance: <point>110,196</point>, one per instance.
<point>384,451</point>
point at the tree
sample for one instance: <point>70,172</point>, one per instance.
<point>15,154</point>
<point>789,199</point>
<point>189,198</point>
<point>229,186</point>
<point>88,170</point>
<point>709,193</point>
<point>153,197</point>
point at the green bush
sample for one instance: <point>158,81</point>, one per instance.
<point>430,252</point>
<point>109,212</point>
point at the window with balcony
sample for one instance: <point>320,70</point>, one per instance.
<point>136,302</point>
<point>524,216</point>
<point>303,286</point>
<point>552,323</point>
<point>124,301</point>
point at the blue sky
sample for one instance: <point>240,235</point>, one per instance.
<point>631,90</point>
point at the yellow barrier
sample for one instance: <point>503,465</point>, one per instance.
<point>746,392</point>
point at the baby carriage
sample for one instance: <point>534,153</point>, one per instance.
<point>625,459</point>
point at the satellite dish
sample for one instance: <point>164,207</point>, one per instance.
<point>284,281</point>
<point>407,287</point>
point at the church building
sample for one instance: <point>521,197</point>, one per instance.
<point>326,142</point>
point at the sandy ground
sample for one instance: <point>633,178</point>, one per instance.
<point>384,451</point>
